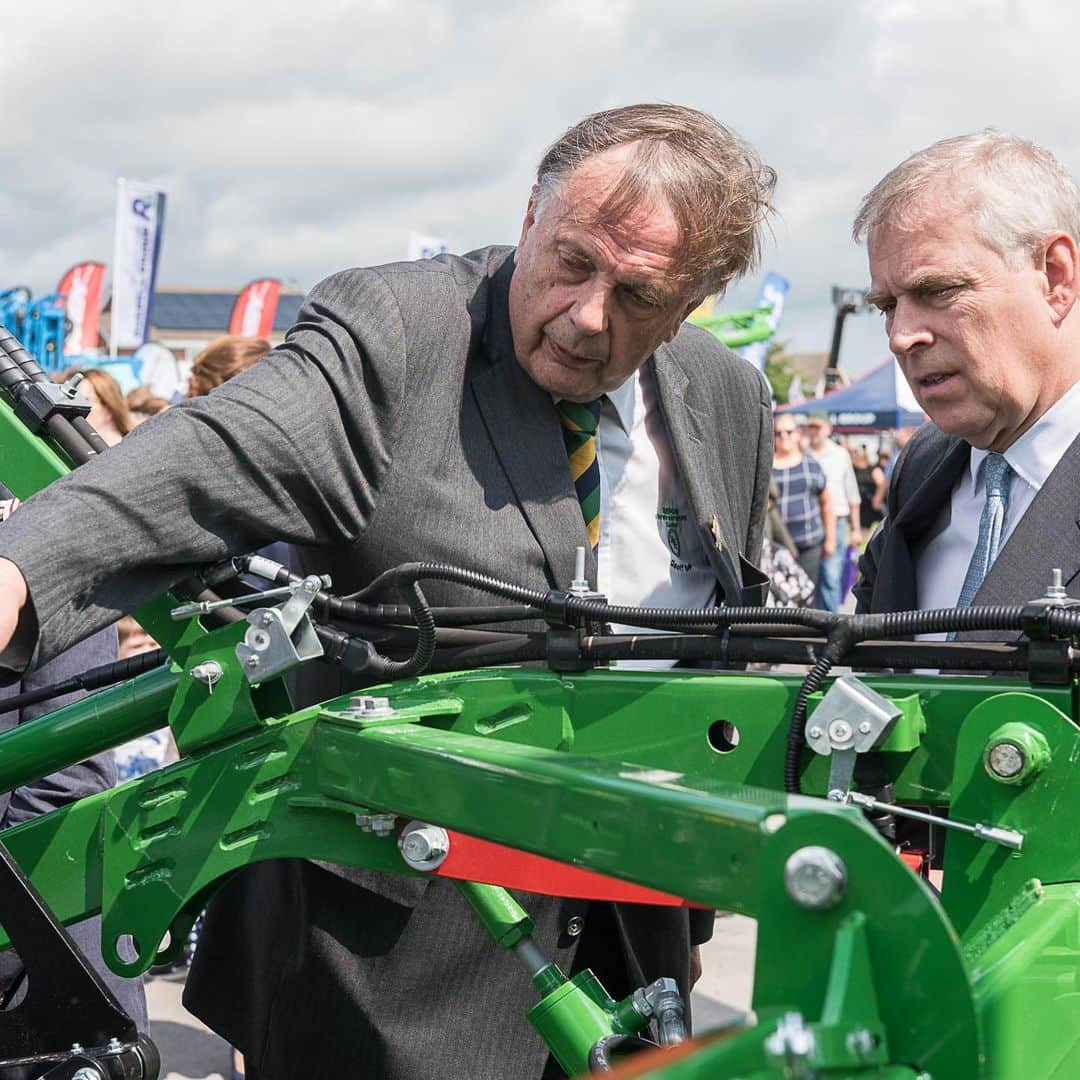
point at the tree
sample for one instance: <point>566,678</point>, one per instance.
<point>779,371</point>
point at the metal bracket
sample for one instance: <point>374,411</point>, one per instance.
<point>280,638</point>
<point>851,719</point>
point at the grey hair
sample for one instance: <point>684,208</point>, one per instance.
<point>1017,191</point>
<point>717,187</point>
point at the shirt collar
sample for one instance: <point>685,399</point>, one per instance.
<point>1034,456</point>
<point>623,400</point>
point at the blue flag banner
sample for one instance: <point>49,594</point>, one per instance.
<point>140,219</point>
<point>773,292</point>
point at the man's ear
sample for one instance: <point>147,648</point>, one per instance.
<point>1061,264</point>
<point>530,214</point>
<point>683,316</point>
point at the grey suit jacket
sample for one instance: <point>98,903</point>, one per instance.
<point>1047,536</point>
<point>394,424</point>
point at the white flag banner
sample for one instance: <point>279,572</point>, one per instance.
<point>140,218</point>
<point>422,246</point>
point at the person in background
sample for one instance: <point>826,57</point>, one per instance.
<point>143,403</point>
<point>870,477</point>
<point>109,414</point>
<point>802,497</point>
<point>223,359</point>
<point>157,748</point>
<point>843,489</point>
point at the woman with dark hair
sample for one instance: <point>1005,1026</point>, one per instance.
<point>221,360</point>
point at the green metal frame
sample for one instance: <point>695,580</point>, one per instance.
<point>620,772</point>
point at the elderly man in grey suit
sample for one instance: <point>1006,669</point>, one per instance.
<point>974,264</point>
<point>496,410</point>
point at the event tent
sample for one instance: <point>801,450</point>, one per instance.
<point>877,401</point>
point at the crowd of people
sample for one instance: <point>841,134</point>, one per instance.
<point>826,497</point>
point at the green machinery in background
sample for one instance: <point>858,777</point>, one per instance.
<point>739,790</point>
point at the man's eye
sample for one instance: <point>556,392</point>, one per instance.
<point>640,301</point>
<point>574,263</point>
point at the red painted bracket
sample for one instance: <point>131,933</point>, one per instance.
<point>471,859</point>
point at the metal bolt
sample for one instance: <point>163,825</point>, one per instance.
<point>379,824</point>
<point>814,733</point>
<point>423,846</point>
<point>574,925</point>
<point>114,1046</point>
<point>1056,590</point>
<point>208,673</point>
<point>266,619</point>
<point>815,878</point>
<point>793,1043</point>
<point>865,728</point>
<point>839,731</point>
<point>370,707</point>
<point>861,1042</point>
<point>76,1048</point>
<point>1006,760</point>
<point>252,662</point>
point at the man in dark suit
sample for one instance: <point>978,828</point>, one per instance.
<point>427,411</point>
<point>974,264</point>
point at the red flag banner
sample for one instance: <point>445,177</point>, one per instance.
<point>82,287</point>
<point>255,308</point>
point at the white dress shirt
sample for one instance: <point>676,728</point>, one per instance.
<point>942,565</point>
<point>650,553</point>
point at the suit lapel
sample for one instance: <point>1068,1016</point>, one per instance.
<point>894,583</point>
<point>526,434</point>
<point>696,450</point>
<point>1046,537</point>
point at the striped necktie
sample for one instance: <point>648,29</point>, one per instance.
<point>997,473</point>
<point>580,422</point>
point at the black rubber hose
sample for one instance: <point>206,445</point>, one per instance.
<point>17,370</point>
<point>339,609</point>
<point>556,603</point>
<point>92,679</point>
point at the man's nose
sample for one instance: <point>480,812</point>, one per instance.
<point>589,313</point>
<point>907,328</point>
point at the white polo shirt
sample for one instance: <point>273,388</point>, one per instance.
<point>650,553</point>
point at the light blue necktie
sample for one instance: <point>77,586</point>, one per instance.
<point>997,473</point>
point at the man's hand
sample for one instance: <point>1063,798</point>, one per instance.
<point>12,600</point>
<point>855,538</point>
<point>695,965</point>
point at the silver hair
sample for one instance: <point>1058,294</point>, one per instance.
<point>717,187</point>
<point>1017,191</point>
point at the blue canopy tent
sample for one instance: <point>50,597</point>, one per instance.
<point>877,401</point>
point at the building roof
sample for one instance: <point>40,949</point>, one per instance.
<point>184,309</point>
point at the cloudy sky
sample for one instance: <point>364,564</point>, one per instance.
<point>297,138</point>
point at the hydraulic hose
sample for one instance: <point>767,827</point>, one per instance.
<point>18,370</point>
<point>93,679</point>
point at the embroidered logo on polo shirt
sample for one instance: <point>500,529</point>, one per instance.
<point>671,519</point>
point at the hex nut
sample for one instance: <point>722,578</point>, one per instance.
<point>815,878</point>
